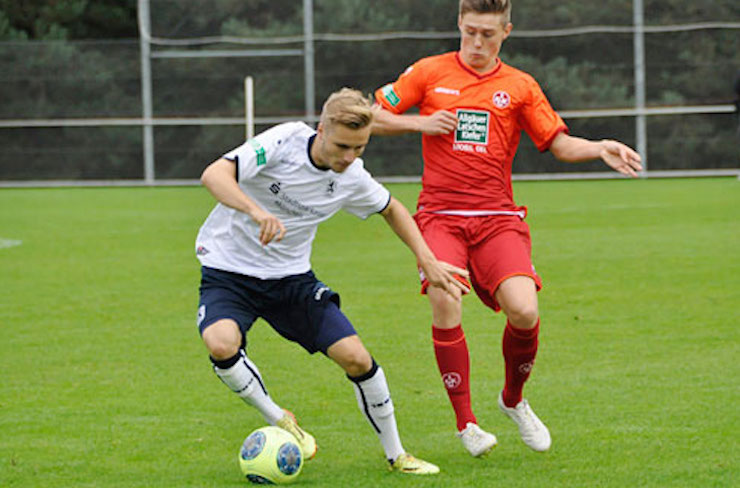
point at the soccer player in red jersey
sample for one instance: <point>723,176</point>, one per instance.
<point>472,110</point>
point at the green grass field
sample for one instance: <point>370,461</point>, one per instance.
<point>104,381</point>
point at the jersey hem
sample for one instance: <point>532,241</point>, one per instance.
<point>259,276</point>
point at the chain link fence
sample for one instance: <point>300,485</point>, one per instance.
<point>74,110</point>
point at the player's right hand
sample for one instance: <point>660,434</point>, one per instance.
<point>456,284</point>
<point>443,275</point>
<point>439,123</point>
<point>270,227</point>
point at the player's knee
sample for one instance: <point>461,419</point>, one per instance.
<point>523,316</point>
<point>222,350</point>
<point>350,354</point>
<point>222,340</point>
<point>446,310</point>
<point>357,363</point>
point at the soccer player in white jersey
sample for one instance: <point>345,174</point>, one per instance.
<point>255,249</point>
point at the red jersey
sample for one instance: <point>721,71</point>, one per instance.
<point>470,168</point>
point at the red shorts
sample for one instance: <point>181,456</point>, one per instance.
<point>491,247</point>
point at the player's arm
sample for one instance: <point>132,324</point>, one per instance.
<point>616,155</point>
<point>220,179</point>
<point>438,273</point>
<point>386,123</point>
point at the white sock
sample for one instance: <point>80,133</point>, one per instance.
<point>244,379</point>
<point>374,400</point>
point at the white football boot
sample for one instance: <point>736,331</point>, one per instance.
<point>477,441</point>
<point>531,429</point>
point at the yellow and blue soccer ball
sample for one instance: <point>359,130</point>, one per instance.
<point>270,455</point>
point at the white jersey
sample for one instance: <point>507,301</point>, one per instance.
<point>276,171</point>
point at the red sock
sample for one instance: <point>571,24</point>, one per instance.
<point>520,349</point>
<point>453,360</point>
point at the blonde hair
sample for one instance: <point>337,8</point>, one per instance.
<point>347,107</point>
<point>487,7</point>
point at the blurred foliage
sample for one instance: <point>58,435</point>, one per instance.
<point>67,19</point>
<point>80,58</point>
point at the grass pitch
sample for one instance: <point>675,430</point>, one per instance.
<point>104,381</point>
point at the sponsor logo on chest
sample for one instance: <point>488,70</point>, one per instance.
<point>471,134</point>
<point>446,91</point>
<point>300,205</point>
<point>472,126</point>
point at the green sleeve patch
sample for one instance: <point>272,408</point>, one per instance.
<point>390,95</point>
<point>259,150</point>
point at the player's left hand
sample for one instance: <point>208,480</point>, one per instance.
<point>442,275</point>
<point>621,157</point>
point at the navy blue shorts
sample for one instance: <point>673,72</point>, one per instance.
<point>299,307</point>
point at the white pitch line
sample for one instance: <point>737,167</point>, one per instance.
<point>5,243</point>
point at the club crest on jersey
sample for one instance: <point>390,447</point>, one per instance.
<point>331,187</point>
<point>501,99</point>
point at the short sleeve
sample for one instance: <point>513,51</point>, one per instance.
<point>406,92</point>
<point>368,196</point>
<point>252,156</point>
<point>539,120</point>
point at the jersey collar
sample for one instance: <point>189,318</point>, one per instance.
<point>473,72</point>
<point>308,151</point>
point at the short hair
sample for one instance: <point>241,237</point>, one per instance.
<point>487,7</point>
<point>347,107</point>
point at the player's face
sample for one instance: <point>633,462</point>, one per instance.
<point>337,146</point>
<point>481,36</point>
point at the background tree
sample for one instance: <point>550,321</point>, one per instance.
<point>80,58</point>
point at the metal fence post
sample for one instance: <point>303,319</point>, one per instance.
<point>249,106</point>
<point>639,54</point>
<point>308,59</point>
<point>146,91</point>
